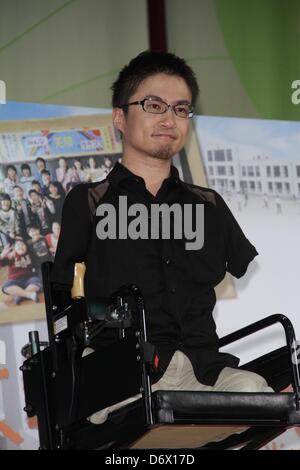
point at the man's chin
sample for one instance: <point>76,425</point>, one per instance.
<point>164,153</point>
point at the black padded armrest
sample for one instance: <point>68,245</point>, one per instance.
<point>225,408</point>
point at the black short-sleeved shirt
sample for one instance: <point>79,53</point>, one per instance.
<point>177,284</point>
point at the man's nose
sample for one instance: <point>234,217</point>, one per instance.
<point>168,118</point>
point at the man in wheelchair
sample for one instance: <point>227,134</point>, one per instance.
<point>172,242</point>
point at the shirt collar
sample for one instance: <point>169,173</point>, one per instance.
<point>120,173</point>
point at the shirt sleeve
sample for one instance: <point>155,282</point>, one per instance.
<point>74,236</point>
<point>239,251</point>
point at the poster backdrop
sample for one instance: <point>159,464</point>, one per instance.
<point>38,170</point>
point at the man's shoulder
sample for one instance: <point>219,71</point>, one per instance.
<point>206,194</point>
<point>88,193</point>
<point>85,188</point>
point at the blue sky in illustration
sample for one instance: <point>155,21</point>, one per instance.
<point>250,137</point>
<point>15,111</point>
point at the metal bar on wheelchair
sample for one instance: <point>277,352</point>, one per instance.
<point>146,384</point>
<point>145,376</point>
<point>290,341</point>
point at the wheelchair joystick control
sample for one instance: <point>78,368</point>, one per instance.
<point>77,290</point>
<point>34,342</point>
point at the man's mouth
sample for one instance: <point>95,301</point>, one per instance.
<point>165,136</point>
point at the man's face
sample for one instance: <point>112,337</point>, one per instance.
<point>107,163</point>
<point>5,204</point>
<point>26,172</point>
<point>36,187</point>
<point>18,193</point>
<point>20,248</point>
<point>35,198</point>
<point>46,179</point>
<point>11,173</point>
<point>53,189</point>
<point>40,164</point>
<point>154,135</point>
<point>34,233</point>
<point>56,229</point>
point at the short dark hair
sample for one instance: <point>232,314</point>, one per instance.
<point>31,191</point>
<point>56,184</point>
<point>25,166</point>
<point>40,159</point>
<point>5,197</point>
<point>45,172</point>
<point>36,182</point>
<point>150,63</point>
<point>32,227</point>
<point>11,167</point>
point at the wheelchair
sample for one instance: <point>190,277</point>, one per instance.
<point>63,386</point>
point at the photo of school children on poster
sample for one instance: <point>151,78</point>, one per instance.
<point>31,200</point>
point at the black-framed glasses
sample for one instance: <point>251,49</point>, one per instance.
<point>157,106</point>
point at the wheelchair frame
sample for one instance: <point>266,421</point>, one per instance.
<point>61,389</point>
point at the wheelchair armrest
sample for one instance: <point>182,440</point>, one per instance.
<point>290,341</point>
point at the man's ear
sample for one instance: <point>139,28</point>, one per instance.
<point>118,118</point>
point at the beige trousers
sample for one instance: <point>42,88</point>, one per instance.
<point>180,376</point>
